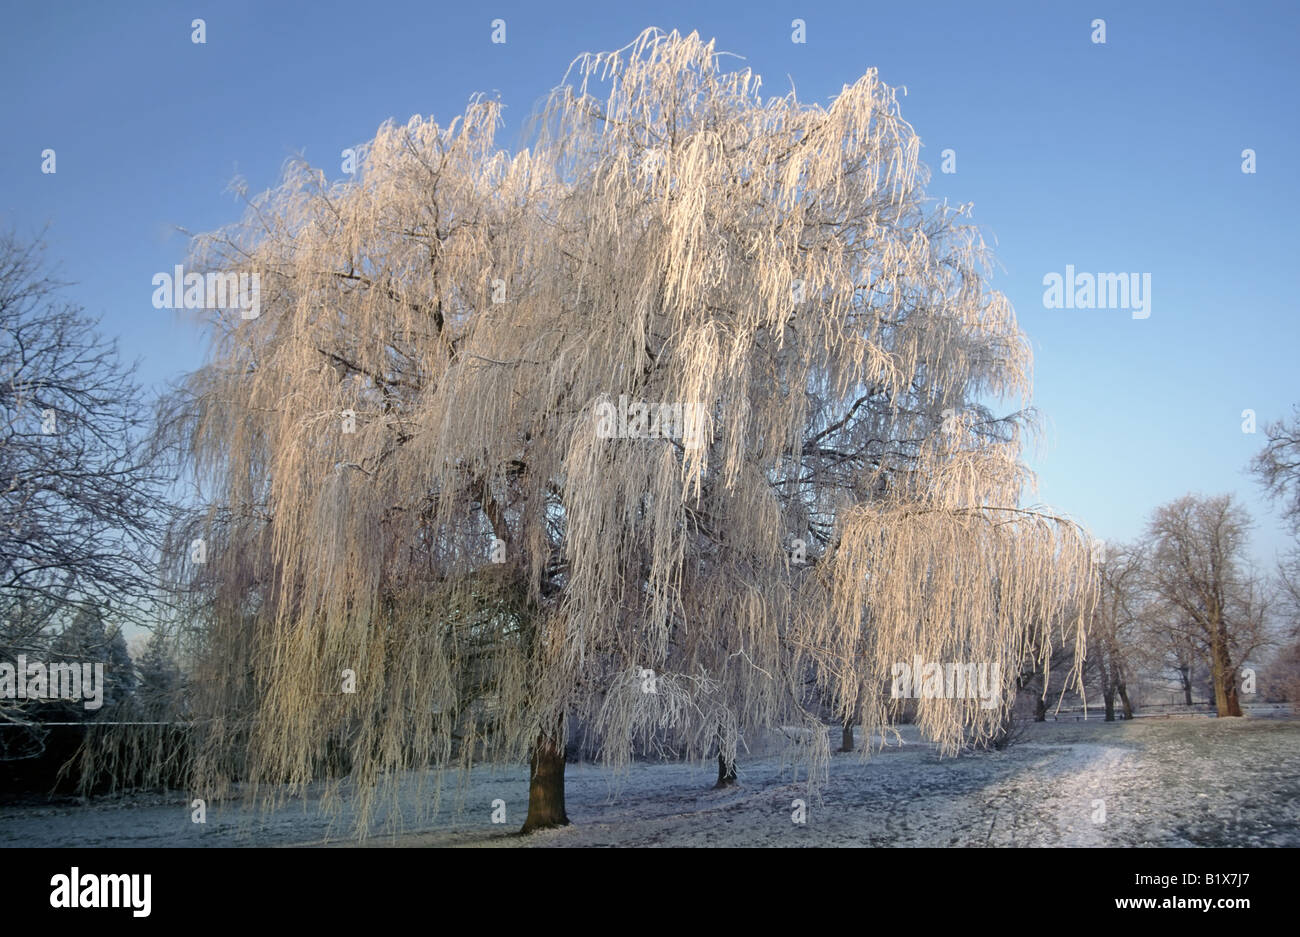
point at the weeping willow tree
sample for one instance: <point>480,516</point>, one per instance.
<point>638,430</point>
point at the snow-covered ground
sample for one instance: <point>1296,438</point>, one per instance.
<point>1174,782</point>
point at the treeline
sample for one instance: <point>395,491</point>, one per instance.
<point>1183,609</point>
<point>1184,616</point>
<point>130,713</point>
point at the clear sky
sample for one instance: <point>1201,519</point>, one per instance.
<point>1117,157</point>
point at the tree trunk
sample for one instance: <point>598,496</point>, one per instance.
<point>846,737</point>
<point>1110,706</point>
<point>726,772</point>
<point>1123,696</point>
<point>1003,736</point>
<point>1225,678</point>
<point>726,766</point>
<point>546,784</point>
<point>1040,710</point>
<point>1186,674</point>
<point>1234,703</point>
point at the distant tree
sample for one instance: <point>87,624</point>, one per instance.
<point>1203,591</point>
<point>159,677</point>
<point>1116,627</point>
<point>1277,467</point>
<point>1279,677</point>
<point>1064,661</point>
<point>1168,656</point>
<point>88,640</point>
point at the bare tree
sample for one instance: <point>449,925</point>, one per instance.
<point>1167,655</point>
<point>1198,575</point>
<point>1280,680</point>
<point>1277,467</point>
<point>159,692</point>
<point>1116,626</point>
<point>81,497</point>
<point>524,442</point>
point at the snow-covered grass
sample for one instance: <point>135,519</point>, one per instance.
<point>1194,782</point>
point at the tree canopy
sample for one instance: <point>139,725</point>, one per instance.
<point>408,481</point>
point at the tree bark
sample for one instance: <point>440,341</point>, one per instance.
<point>846,737</point>
<point>546,785</point>
<point>1110,706</point>
<point>726,772</point>
<point>1234,703</point>
<point>1225,677</point>
<point>1123,696</point>
<point>1040,710</point>
<point>1186,675</point>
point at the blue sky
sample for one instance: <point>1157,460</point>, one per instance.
<point>1115,157</point>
